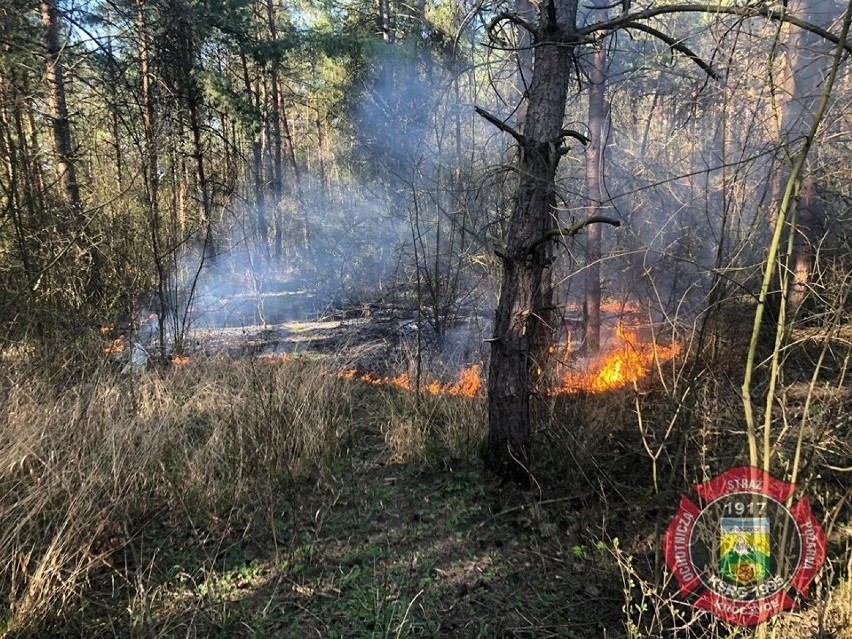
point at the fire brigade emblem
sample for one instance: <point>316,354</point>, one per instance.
<point>743,554</point>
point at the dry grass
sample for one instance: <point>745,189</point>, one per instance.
<point>85,464</point>
<point>275,494</point>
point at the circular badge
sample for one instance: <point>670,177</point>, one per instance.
<point>744,554</point>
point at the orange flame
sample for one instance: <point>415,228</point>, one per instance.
<point>180,360</point>
<point>468,384</point>
<point>117,346</point>
<point>626,364</point>
<point>275,358</point>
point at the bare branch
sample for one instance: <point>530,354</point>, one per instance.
<point>751,11</point>
<point>505,16</point>
<point>572,230</point>
<point>501,125</point>
<point>676,45</point>
<point>571,133</point>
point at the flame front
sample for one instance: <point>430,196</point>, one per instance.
<point>118,345</point>
<point>468,384</point>
<point>628,363</point>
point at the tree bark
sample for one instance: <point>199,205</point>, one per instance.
<point>274,135</point>
<point>385,21</point>
<point>257,161</point>
<point>808,57</point>
<point>72,220</point>
<point>58,111</point>
<point>525,55</point>
<point>594,162</point>
<point>151,171</point>
<point>513,368</point>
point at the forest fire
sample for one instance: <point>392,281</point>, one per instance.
<point>468,385</point>
<point>626,364</point>
<point>118,345</point>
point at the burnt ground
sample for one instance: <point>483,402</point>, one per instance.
<point>370,338</point>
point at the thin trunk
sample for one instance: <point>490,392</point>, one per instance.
<point>321,155</point>
<point>58,112</point>
<point>594,163</point>
<point>808,58</point>
<point>257,161</point>
<point>35,147</point>
<point>296,173</point>
<point>385,21</point>
<point>275,133</point>
<point>12,163</point>
<point>114,122</point>
<point>151,171</point>
<point>33,179</point>
<point>204,197</point>
<point>72,221</point>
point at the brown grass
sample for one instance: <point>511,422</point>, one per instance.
<point>84,465</point>
<point>126,496</point>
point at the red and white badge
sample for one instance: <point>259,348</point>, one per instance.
<point>743,554</point>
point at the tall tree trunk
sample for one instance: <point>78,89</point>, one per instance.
<point>807,58</point>
<point>13,165</point>
<point>513,366</point>
<point>296,173</point>
<point>151,172</point>
<point>257,161</point>
<point>205,199</point>
<point>58,112</point>
<point>112,74</point>
<point>72,220</point>
<point>323,174</point>
<point>275,132</point>
<point>594,166</point>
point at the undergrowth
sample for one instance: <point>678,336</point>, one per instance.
<point>271,498</point>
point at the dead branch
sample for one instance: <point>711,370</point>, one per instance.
<point>676,45</point>
<point>501,125</point>
<point>572,230</point>
<point>513,18</point>
<point>751,11</point>
<point>606,7</point>
<point>571,133</point>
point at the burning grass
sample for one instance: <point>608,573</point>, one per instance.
<point>469,382</point>
<point>627,363</point>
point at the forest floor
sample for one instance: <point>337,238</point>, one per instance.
<point>266,497</point>
<point>376,549</point>
<point>375,546</point>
